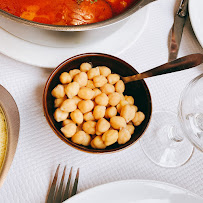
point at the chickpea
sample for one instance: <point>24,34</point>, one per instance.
<point>72,89</point>
<point>120,105</point>
<point>92,144</point>
<point>77,116</point>
<point>69,130</point>
<point>122,96</point>
<point>99,112</point>
<point>67,121</point>
<point>135,107</point>
<point>110,112</point>
<point>65,78</point>
<point>84,67</point>
<point>98,143</point>
<point>86,93</point>
<point>123,136</point>
<point>117,122</point>
<point>119,86</point>
<point>108,88</point>
<point>99,81</point>
<point>92,73</point>
<point>81,79</point>
<point>81,138</point>
<point>90,84</point>
<point>130,128</point>
<point>98,133</point>
<point>114,98</point>
<point>102,99</point>
<point>105,71</point>
<point>139,117</point>
<point>68,105</point>
<point>85,106</point>
<point>76,99</point>
<point>113,78</point>
<point>60,115</point>
<point>74,72</point>
<point>88,116</point>
<point>58,91</point>
<point>96,92</point>
<point>129,99</point>
<point>110,137</point>
<point>89,127</point>
<point>128,112</point>
<point>123,103</point>
<point>59,101</point>
<point>102,125</point>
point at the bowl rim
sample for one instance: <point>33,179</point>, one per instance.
<point>11,112</point>
<point>57,132</point>
<point>85,27</point>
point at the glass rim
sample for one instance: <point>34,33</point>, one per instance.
<point>180,112</point>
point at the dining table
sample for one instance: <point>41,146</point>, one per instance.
<point>39,150</point>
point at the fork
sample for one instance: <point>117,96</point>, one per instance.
<point>58,195</point>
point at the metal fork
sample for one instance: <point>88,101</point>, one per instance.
<point>58,195</point>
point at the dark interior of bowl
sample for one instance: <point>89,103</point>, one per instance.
<point>138,90</point>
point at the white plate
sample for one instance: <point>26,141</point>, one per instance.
<point>115,39</point>
<point>136,191</point>
<point>196,18</point>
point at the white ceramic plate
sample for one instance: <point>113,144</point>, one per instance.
<point>113,40</point>
<point>136,191</point>
<point>196,18</point>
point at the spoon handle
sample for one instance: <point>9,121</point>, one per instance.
<point>182,63</point>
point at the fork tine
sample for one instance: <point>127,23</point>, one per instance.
<point>66,193</point>
<point>75,186</point>
<point>59,194</point>
<point>53,187</point>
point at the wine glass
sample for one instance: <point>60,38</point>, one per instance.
<point>165,141</point>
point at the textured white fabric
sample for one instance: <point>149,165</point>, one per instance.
<point>40,150</point>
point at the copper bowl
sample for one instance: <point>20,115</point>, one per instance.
<point>138,90</point>
<point>136,6</point>
<point>65,36</point>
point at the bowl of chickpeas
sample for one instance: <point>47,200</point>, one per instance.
<point>90,108</point>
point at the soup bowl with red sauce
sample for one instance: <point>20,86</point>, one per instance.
<point>33,19</point>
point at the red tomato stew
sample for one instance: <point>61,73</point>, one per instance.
<point>66,12</point>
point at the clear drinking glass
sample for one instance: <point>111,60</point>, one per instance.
<point>165,141</point>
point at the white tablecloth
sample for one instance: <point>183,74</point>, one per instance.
<point>40,150</point>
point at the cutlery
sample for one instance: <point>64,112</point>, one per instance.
<point>177,30</point>
<point>182,63</point>
<point>58,195</point>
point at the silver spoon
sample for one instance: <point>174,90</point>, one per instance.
<point>182,63</point>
